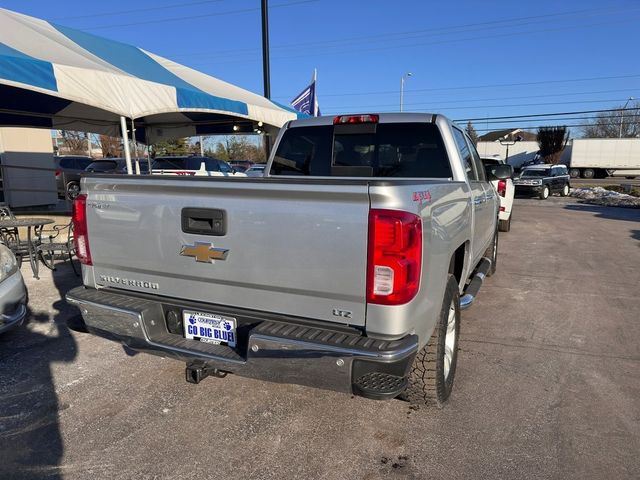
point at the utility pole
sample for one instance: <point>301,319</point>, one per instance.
<point>265,49</point>
<point>265,65</point>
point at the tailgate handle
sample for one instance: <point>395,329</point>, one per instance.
<point>204,221</point>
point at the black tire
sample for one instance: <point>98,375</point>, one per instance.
<point>574,173</point>
<point>504,225</point>
<point>492,253</point>
<point>73,190</point>
<point>430,378</point>
<point>565,190</point>
<point>588,173</point>
<point>544,193</point>
<point>630,178</point>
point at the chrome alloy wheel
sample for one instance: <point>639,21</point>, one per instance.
<point>450,340</point>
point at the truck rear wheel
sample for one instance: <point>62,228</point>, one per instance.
<point>574,173</point>
<point>434,368</point>
<point>73,190</point>
<point>588,173</point>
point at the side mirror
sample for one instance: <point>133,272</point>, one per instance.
<point>499,172</point>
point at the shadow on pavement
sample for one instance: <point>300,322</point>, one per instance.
<point>31,445</point>
<point>613,213</point>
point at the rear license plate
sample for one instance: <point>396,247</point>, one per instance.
<point>209,328</point>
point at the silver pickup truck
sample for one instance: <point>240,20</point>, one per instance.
<point>345,267</point>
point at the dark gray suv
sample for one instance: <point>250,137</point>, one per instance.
<point>68,169</point>
<point>543,180</point>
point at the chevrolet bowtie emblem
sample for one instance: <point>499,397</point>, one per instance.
<point>204,252</point>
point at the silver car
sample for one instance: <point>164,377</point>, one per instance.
<point>13,293</point>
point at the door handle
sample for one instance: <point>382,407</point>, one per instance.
<point>204,221</point>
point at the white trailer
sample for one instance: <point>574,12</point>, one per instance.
<point>602,157</point>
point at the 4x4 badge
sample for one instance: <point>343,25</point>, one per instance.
<point>204,252</point>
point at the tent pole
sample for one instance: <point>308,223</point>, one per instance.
<point>125,143</point>
<point>135,145</point>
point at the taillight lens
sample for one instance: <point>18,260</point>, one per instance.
<point>80,232</point>
<point>58,172</point>
<point>502,187</point>
<point>347,119</point>
<point>394,256</point>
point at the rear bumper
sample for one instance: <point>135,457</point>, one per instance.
<point>270,349</point>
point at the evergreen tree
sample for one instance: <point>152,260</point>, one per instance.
<point>473,135</point>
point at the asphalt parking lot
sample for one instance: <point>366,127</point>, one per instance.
<point>547,387</point>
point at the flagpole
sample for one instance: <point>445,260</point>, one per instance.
<point>315,92</point>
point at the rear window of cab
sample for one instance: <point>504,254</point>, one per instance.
<point>409,150</point>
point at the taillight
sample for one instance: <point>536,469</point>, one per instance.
<point>58,172</point>
<point>345,119</point>
<point>502,187</point>
<point>394,256</point>
<point>80,232</point>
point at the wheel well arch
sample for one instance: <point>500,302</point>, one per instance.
<point>456,264</point>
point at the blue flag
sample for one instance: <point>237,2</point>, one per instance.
<point>306,101</point>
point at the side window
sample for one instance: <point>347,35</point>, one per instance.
<point>82,163</point>
<point>224,167</point>
<point>211,165</point>
<point>476,160</point>
<point>68,163</point>
<point>465,154</point>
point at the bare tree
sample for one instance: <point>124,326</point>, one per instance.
<point>615,124</point>
<point>552,141</point>
<point>111,146</point>
<point>73,143</point>
<point>235,147</point>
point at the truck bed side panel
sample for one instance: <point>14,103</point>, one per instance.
<point>446,225</point>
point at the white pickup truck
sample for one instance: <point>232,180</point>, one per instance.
<point>345,267</point>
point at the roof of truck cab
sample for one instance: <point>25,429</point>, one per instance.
<point>383,118</point>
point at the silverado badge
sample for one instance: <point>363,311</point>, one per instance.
<point>204,252</point>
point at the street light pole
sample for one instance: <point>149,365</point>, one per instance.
<point>402,80</point>
<point>622,117</point>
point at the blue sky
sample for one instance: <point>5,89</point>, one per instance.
<point>465,56</point>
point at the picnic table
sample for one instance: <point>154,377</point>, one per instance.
<point>8,232</point>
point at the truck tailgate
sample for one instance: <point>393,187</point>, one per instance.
<point>297,248</point>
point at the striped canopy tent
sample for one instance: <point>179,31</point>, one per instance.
<point>60,78</point>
